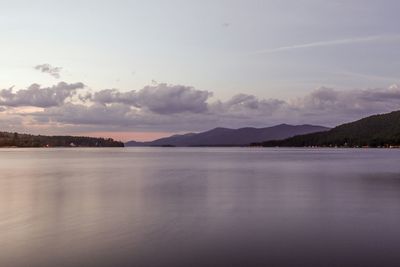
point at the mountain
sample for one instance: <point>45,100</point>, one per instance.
<point>232,137</point>
<point>28,140</point>
<point>375,131</point>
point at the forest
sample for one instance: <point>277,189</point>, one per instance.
<point>375,131</point>
<point>27,140</point>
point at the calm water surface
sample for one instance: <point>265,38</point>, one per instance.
<point>199,207</point>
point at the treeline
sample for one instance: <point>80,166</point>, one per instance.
<point>375,131</point>
<point>27,140</point>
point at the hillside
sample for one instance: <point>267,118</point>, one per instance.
<point>232,137</point>
<point>375,131</point>
<point>27,140</point>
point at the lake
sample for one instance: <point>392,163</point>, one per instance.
<point>199,207</point>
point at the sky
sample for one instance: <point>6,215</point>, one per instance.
<point>145,69</point>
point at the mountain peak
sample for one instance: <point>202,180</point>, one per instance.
<point>221,136</point>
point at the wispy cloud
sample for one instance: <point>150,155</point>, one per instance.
<point>367,39</point>
<point>365,76</point>
<point>47,68</point>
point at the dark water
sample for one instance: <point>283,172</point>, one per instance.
<point>199,207</point>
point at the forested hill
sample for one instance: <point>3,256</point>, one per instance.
<point>27,140</point>
<point>376,131</point>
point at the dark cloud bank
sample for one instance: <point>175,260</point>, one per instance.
<point>164,107</point>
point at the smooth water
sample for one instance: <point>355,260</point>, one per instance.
<point>199,207</point>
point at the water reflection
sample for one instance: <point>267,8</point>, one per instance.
<point>199,207</point>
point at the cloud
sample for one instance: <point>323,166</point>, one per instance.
<point>161,98</point>
<point>366,100</point>
<point>367,39</point>
<point>169,99</point>
<point>13,123</point>
<point>96,114</point>
<point>243,103</point>
<point>109,96</point>
<point>47,68</point>
<point>335,106</point>
<point>36,96</point>
<point>177,108</point>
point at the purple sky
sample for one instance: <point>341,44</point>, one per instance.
<point>143,69</point>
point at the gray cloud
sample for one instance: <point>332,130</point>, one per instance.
<point>47,68</point>
<point>161,98</point>
<point>96,114</point>
<point>180,108</point>
<point>350,101</point>
<point>36,96</point>
<point>109,96</point>
<point>392,94</point>
<point>331,107</point>
<point>169,99</point>
<point>119,117</point>
<point>12,123</point>
<point>249,104</point>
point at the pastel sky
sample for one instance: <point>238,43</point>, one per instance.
<point>145,69</point>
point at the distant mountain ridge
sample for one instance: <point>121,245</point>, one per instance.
<point>381,130</point>
<point>232,137</point>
